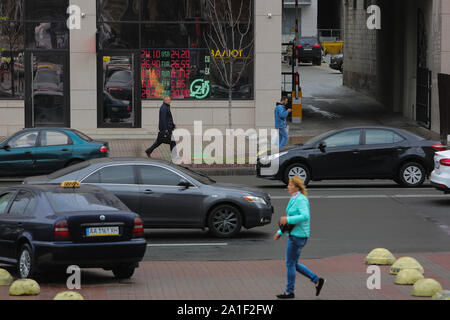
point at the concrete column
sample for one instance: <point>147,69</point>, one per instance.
<point>268,41</point>
<point>83,69</point>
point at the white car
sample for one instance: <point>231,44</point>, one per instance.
<point>440,177</point>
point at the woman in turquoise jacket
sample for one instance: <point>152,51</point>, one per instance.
<point>297,216</point>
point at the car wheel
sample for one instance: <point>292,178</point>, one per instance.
<point>225,221</point>
<point>412,174</point>
<point>297,170</point>
<point>25,262</point>
<point>123,272</point>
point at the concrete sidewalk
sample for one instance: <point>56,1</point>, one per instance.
<point>253,280</point>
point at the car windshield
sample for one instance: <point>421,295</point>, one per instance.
<point>121,76</point>
<point>309,41</point>
<point>82,136</point>
<point>200,177</point>
<point>80,201</point>
<point>319,138</point>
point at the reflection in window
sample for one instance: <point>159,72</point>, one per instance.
<point>382,137</point>
<point>157,176</point>
<point>43,10</point>
<point>47,35</point>
<point>26,140</point>
<point>53,138</point>
<point>11,9</point>
<point>125,10</point>
<point>344,139</point>
<point>12,75</point>
<point>118,35</point>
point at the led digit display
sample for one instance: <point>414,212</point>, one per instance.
<point>170,72</point>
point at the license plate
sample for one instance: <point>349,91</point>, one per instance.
<point>114,109</point>
<point>102,231</point>
<point>307,49</point>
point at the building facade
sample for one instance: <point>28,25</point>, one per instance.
<point>108,77</point>
<point>399,64</point>
<point>308,11</point>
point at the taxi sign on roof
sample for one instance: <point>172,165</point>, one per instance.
<point>70,184</point>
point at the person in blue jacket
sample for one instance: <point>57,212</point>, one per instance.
<point>298,217</point>
<point>281,115</point>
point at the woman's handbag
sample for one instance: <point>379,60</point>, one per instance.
<point>286,228</point>
<point>165,137</point>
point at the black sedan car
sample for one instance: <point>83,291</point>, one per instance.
<point>355,153</point>
<point>170,196</point>
<point>47,226</point>
<point>310,50</point>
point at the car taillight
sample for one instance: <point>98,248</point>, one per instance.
<point>445,162</point>
<point>299,46</point>
<point>61,231</point>
<point>439,147</point>
<point>128,108</point>
<point>138,229</point>
<point>103,149</point>
<point>316,46</point>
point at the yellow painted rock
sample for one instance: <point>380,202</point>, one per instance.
<point>380,256</point>
<point>442,295</point>
<point>5,278</point>
<point>426,288</point>
<point>408,276</point>
<point>24,287</point>
<point>405,263</point>
<point>68,295</point>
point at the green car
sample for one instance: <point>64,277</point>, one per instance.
<point>40,151</point>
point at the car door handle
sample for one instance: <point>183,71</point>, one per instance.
<point>28,153</point>
<point>356,152</point>
<point>64,149</point>
<point>148,191</point>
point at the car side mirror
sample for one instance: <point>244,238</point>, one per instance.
<point>322,146</point>
<point>6,147</point>
<point>184,183</point>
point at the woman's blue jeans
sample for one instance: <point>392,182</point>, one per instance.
<point>294,249</point>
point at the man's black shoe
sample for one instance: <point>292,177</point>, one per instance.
<point>286,296</point>
<point>148,154</point>
<point>319,286</point>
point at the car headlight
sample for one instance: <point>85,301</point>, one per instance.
<point>272,157</point>
<point>254,199</point>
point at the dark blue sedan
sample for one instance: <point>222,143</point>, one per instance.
<point>45,150</point>
<point>60,225</point>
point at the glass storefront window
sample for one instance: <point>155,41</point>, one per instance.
<point>187,50</point>
<point>111,11</point>
<point>118,35</point>
<point>46,10</point>
<point>47,35</point>
<point>12,75</point>
<point>11,10</point>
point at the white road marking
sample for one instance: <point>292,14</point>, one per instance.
<point>185,244</point>
<point>369,196</point>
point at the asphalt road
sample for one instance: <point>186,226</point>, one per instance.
<point>346,217</point>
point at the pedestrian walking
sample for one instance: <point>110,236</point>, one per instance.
<point>281,115</point>
<point>296,225</point>
<point>166,127</point>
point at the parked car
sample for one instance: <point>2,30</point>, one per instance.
<point>171,196</point>
<point>440,177</point>
<point>44,150</point>
<point>46,226</point>
<point>356,153</point>
<point>337,62</point>
<point>310,50</point>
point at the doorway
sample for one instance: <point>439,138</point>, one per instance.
<point>118,90</point>
<point>47,89</point>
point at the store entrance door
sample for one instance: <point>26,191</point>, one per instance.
<point>47,89</point>
<point>118,90</point>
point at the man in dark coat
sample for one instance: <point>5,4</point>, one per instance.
<point>166,126</point>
